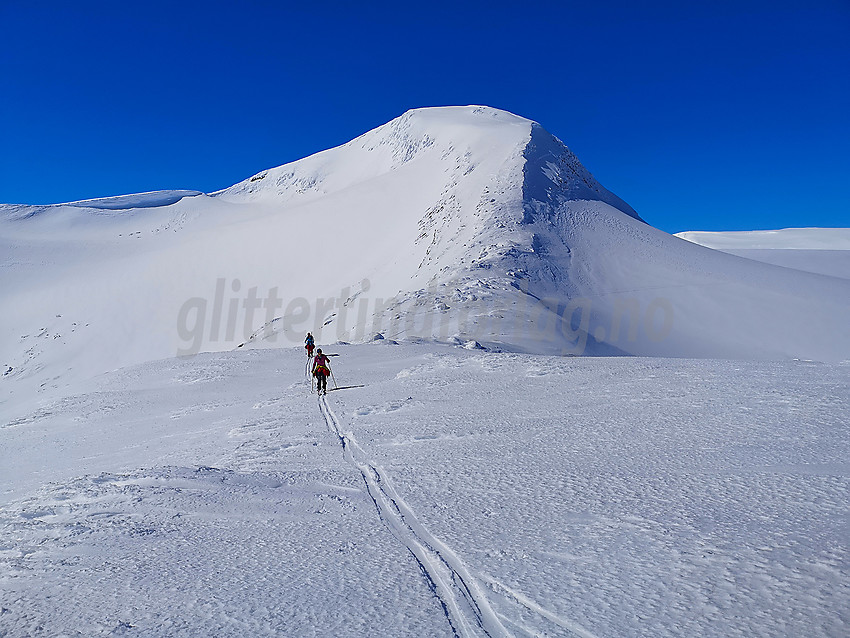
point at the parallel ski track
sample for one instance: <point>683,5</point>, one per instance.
<point>466,607</point>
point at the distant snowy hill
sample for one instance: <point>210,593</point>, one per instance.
<point>825,251</point>
<point>459,224</point>
<point>784,239</point>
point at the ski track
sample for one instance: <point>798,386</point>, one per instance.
<point>466,606</point>
<point>528,603</point>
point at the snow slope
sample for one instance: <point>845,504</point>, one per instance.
<point>438,492</point>
<point>455,223</point>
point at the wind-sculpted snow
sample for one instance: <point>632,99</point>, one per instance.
<point>438,491</point>
<point>154,199</point>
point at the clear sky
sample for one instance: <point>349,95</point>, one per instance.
<point>702,115</point>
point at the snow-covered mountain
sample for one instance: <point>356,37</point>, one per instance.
<point>440,490</point>
<point>464,224</point>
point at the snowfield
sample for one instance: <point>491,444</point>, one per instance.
<point>165,469</point>
<point>439,491</point>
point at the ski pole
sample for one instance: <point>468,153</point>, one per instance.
<point>333,377</point>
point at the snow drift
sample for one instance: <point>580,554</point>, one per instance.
<point>461,224</point>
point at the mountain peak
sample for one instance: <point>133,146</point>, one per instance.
<point>468,135</point>
<point>470,115</point>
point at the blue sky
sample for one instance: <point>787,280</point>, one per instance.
<point>709,116</point>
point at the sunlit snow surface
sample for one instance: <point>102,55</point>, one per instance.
<point>439,491</point>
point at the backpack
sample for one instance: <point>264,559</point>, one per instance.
<point>321,368</point>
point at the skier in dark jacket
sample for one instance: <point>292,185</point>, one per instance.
<point>308,344</point>
<point>321,370</point>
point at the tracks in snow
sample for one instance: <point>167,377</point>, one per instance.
<point>464,603</point>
